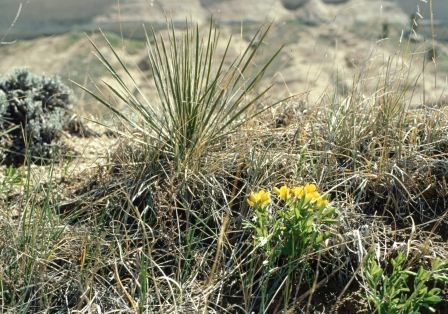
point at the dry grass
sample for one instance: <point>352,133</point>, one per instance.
<point>143,236</point>
<point>138,234</point>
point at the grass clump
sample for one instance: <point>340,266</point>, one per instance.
<point>203,95</point>
<point>30,239</point>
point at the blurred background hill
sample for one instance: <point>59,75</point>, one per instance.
<point>327,41</point>
<point>49,17</point>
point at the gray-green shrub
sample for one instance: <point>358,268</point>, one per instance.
<point>32,115</point>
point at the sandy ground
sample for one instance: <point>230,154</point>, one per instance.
<point>326,46</point>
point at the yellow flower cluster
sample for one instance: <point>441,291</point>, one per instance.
<point>308,192</point>
<point>261,198</point>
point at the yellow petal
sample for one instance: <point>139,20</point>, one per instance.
<point>321,202</point>
<point>283,192</point>
<point>298,191</point>
<point>262,198</point>
<point>315,195</point>
<point>310,188</point>
<point>252,199</point>
<point>253,196</point>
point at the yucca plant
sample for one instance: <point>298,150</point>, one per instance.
<point>203,95</point>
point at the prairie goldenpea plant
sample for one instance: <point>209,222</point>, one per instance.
<point>203,95</point>
<point>291,227</point>
<point>286,231</point>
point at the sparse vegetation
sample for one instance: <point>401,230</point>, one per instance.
<point>216,199</point>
